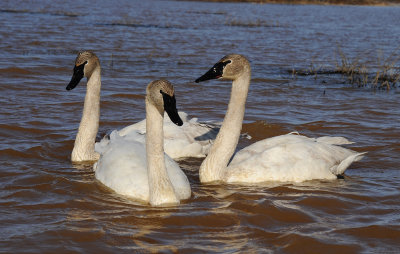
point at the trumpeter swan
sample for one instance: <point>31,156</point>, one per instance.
<point>144,172</point>
<point>287,157</point>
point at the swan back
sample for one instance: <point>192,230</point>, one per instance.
<point>192,139</point>
<point>289,157</point>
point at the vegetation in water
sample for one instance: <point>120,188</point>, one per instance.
<point>384,74</point>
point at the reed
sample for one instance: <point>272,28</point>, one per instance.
<point>385,74</point>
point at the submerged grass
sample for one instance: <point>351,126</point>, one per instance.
<point>251,23</point>
<point>385,74</point>
<point>42,12</point>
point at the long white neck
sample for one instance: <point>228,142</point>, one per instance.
<point>89,126</point>
<point>160,186</point>
<point>213,167</point>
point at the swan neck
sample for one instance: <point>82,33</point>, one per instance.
<point>160,186</point>
<point>213,167</point>
<point>89,125</point>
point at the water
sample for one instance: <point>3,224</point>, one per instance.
<point>49,205</point>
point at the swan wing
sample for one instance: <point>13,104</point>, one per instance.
<point>178,179</point>
<point>334,140</point>
<point>192,139</point>
<point>289,157</point>
<point>123,168</point>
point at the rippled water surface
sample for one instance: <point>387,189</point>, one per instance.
<point>49,205</point>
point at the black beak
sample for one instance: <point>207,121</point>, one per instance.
<point>170,108</point>
<point>76,76</point>
<point>215,72</point>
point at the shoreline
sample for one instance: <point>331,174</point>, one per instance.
<point>312,2</point>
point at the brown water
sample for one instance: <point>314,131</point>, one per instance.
<point>49,205</point>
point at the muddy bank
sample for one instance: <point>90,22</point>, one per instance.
<point>319,2</point>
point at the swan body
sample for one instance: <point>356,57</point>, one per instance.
<point>142,170</point>
<point>289,157</point>
<point>194,139</point>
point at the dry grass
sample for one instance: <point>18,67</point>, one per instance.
<point>385,74</point>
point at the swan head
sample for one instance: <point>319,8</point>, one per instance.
<point>161,94</point>
<point>85,63</point>
<point>230,67</point>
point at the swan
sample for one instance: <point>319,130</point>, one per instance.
<point>291,157</point>
<point>193,140</point>
<point>143,171</point>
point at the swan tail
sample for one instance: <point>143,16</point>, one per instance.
<point>338,170</point>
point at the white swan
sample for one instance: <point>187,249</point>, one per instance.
<point>144,172</point>
<point>287,157</point>
<point>193,140</point>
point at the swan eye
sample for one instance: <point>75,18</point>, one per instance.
<point>83,64</point>
<point>227,62</point>
<point>215,72</point>
<point>219,67</point>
